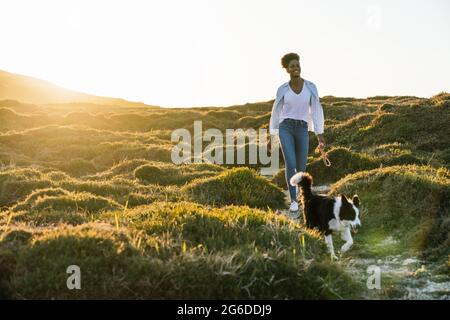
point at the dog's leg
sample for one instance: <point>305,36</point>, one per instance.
<point>347,237</point>
<point>329,242</point>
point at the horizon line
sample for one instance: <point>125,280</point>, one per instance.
<point>130,100</point>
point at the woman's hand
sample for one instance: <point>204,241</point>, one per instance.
<point>321,141</point>
<point>321,149</point>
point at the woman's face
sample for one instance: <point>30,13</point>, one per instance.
<point>294,68</point>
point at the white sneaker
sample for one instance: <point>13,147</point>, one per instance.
<point>294,206</point>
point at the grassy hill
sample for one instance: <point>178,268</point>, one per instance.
<point>35,91</point>
<point>89,181</point>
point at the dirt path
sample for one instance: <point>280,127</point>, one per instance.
<point>402,275</point>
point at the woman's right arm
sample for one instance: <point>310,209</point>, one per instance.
<point>274,119</point>
<point>274,116</point>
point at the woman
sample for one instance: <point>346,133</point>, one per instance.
<point>296,111</point>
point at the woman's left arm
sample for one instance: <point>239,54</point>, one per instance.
<point>321,141</point>
<point>318,118</point>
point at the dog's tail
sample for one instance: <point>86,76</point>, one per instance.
<point>304,180</point>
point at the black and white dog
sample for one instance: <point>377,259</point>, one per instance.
<point>327,214</point>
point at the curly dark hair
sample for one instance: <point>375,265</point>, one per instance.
<point>288,58</point>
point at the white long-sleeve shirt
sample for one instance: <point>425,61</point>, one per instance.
<point>315,116</point>
<point>296,106</point>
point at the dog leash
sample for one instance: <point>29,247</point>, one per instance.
<point>324,155</point>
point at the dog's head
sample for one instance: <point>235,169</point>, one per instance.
<point>349,211</point>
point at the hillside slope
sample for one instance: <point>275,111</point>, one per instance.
<point>36,91</point>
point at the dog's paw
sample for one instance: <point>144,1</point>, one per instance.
<point>334,257</point>
<point>345,248</point>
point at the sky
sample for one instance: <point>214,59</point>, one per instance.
<point>185,53</point>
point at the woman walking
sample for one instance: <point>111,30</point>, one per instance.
<point>296,111</point>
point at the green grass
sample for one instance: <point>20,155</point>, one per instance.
<point>421,125</point>
<point>170,250</point>
<point>240,186</point>
<point>169,174</point>
<point>94,185</point>
<point>345,161</point>
<point>21,187</point>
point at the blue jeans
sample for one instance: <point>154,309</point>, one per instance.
<point>294,144</point>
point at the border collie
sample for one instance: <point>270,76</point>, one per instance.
<point>327,214</point>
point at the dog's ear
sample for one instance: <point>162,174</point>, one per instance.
<point>355,200</point>
<point>344,199</point>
